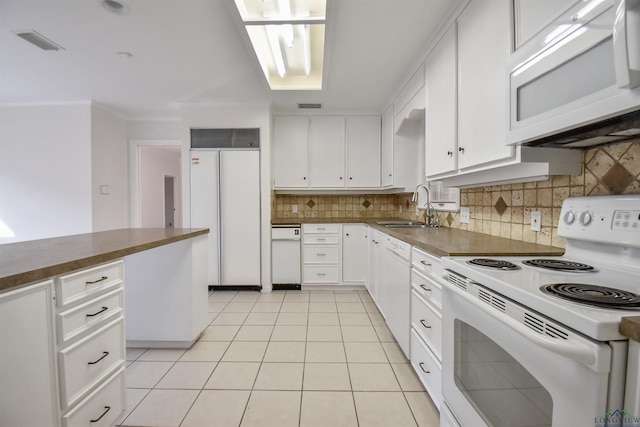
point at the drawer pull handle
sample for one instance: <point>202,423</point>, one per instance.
<point>102,279</point>
<point>424,324</point>
<point>106,409</point>
<point>98,312</point>
<point>321,228</point>
<point>321,274</point>
<point>425,288</point>
<point>421,364</point>
<point>321,254</point>
<point>425,263</point>
<point>104,354</point>
<point>321,240</point>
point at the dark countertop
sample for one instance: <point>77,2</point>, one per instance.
<point>22,263</point>
<point>630,327</point>
<point>444,241</point>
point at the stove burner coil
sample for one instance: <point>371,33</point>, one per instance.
<point>594,295</point>
<point>559,265</point>
<point>496,264</point>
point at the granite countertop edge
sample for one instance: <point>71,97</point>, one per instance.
<point>442,241</point>
<point>23,263</point>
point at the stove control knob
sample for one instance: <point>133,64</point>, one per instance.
<point>586,218</point>
<point>569,218</point>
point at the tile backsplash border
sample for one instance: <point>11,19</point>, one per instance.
<point>501,210</point>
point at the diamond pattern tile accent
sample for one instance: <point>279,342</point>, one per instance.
<point>366,203</point>
<point>500,206</point>
<point>617,178</point>
<point>311,204</point>
<point>449,219</point>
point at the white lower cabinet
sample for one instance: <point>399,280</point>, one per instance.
<point>28,386</point>
<point>321,254</point>
<point>375,268</point>
<point>354,253</point>
<point>426,321</point>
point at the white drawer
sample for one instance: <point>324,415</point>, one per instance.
<point>427,287</point>
<point>320,239</point>
<point>427,321</point>
<point>427,367</point>
<point>426,262</point>
<point>90,315</point>
<point>320,274</point>
<point>102,408</point>
<point>320,228</point>
<point>86,283</point>
<point>321,255</point>
<point>90,360</point>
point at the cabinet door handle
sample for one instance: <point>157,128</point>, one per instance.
<point>461,149</point>
<point>98,312</point>
<point>102,279</point>
<point>106,409</point>
<point>321,274</point>
<point>425,263</point>
<point>104,354</point>
<point>321,254</point>
<point>321,240</point>
<point>425,288</point>
<point>421,364</point>
<point>449,153</point>
<point>350,178</point>
<point>304,178</point>
<point>347,234</point>
<point>424,324</point>
<point>340,178</point>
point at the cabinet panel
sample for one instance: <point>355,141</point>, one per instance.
<point>28,391</point>
<point>426,320</point>
<point>102,408</point>
<point>320,273</point>
<point>291,151</point>
<point>327,160</point>
<point>354,253</point>
<point>321,255</point>
<point>363,151</point>
<point>484,44</point>
<point>387,148</point>
<point>427,367</point>
<point>441,152</point>
<point>531,16</point>
<point>89,282</point>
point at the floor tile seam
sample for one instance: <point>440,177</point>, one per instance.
<point>149,390</point>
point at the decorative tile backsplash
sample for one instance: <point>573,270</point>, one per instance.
<point>503,210</point>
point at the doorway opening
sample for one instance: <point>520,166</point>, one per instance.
<point>169,205</point>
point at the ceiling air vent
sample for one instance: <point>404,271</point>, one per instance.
<point>311,106</point>
<point>39,40</point>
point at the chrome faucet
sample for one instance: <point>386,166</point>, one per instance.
<point>429,219</point>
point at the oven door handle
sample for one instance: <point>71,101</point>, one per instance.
<point>574,351</point>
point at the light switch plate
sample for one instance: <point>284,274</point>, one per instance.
<point>464,215</point>
<point>536,219</point>
<point>294,208</point>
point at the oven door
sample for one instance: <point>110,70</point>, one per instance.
<point>497,371</point>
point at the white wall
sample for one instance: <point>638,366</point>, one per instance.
<point>154,129</point>
<point>45,170</point>
<point>109,167</point>
<point>156,162</point>
<point>234,116</point>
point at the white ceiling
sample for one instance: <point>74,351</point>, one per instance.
<point>197,51</point>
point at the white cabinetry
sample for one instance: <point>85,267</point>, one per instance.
<point>387,148</point>
<point>326,142</point>
<point>484,45</point>
<point>441,152</point>
<point>531,16</point>
<point>363,151</point>
<point>28,390</point>
<point>375,270</point>
<point>396,290</point>
<point>354,253</point>
<point>327,152</point>
<point>291,151</point>
<point>426,321</point>
<point>320,254</point>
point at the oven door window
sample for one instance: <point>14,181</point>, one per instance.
<point>502,391</point>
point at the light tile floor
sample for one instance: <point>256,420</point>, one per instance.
<point>286,358</point>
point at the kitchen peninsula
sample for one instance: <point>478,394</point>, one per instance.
<point>62,317</point>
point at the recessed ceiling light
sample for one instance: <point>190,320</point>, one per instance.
<point>115,6</point>
<point>38,39</point>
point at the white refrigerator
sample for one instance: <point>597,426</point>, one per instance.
<point>225,197</point>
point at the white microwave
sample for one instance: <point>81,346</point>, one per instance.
<point>581,70</point>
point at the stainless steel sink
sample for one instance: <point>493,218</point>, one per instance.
<point>415,225</point>
<point>399,223</point>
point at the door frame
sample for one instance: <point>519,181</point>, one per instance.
<point>134,174</point>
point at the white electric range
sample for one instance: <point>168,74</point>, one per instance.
<point>554,320</point>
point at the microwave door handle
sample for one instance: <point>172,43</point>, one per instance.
<point>574,351</point>
<point>626,57</point>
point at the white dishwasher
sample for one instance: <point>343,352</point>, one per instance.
<point>285,254</point>
<point>396,288</point>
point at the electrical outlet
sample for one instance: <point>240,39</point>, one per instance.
<point>536,219</point>
<point>417,211</point>
<point>464,215</point>
<point>294,208</point>
<point>400,207</point>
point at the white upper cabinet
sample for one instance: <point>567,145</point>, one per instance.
<point>363,152</point>
<point>440,116</point>
<point>326,142</point>
<point>484,45</point>
<point>291,152</point>
<point>387,148</point>
<point>531,16</point>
